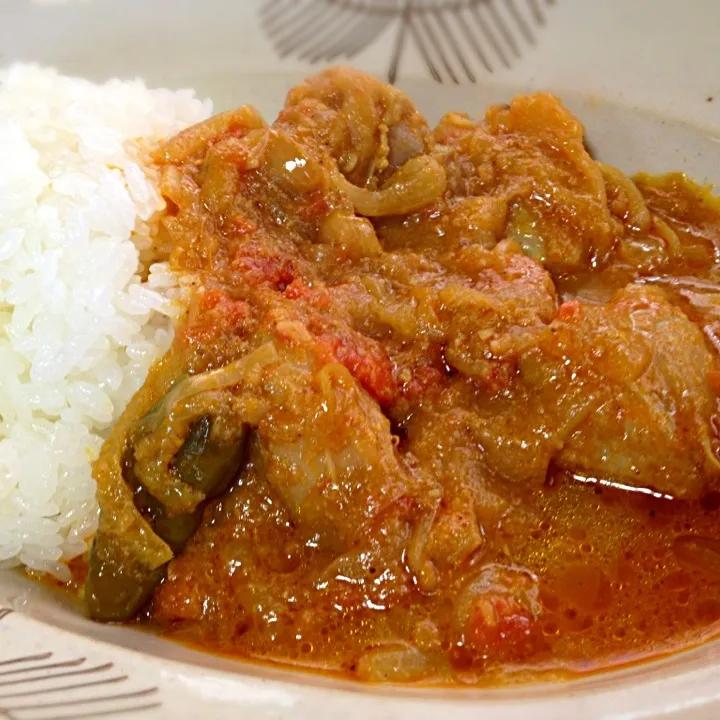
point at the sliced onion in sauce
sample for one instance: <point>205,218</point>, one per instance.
<point>418,183</point>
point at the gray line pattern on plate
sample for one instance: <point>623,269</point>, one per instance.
<point>457,40</point>
<point>42,687</point>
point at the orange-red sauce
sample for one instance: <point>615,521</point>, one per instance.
<point>485,442</point>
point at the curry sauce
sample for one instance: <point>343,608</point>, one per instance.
<point>443,406</point>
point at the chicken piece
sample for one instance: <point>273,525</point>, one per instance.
<point>618,392</point>
<point>442,443</point>
<point>327,449</point>
<point>654,430</point>
<point>500,302</point>
<point>523,425</point>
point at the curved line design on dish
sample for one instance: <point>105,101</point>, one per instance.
<point>39,687</point>
<point>457,40</point>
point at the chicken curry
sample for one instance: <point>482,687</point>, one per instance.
<point>443,406</point>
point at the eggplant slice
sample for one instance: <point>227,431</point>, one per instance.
<point>148,516</point>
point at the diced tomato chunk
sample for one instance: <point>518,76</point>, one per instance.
<point>219,312</point>
<point>316,296</point>
<point>316,206</point>
<point>257,268</point>
<point>366,359</point>
<point>498,620</point>
<point>297,289</point>
<point>227,311</point>
<point>570,311</point>
<point>501,615</point>
<point>211,298</point>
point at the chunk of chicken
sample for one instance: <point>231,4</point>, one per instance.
<point>500,301</point>
<point>618,392</point>
<point>654,429</point>
<point>327,449</point>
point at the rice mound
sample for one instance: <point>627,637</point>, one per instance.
<point>79,327</point>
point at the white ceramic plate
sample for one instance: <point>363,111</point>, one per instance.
<point>642,75</point>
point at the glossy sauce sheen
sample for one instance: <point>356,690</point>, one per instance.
<point>481,399</point>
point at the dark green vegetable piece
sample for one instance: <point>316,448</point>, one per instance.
<point>206,464</point>
<point>175,530</point>
<point>118,584</point>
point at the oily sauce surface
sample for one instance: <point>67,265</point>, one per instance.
<point>475,375</point>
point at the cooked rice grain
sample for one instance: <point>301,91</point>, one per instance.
<point>78,326</point>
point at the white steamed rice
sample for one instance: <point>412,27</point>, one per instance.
<point>78,326</point>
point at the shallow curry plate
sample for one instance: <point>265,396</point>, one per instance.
<point>641,76</point>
